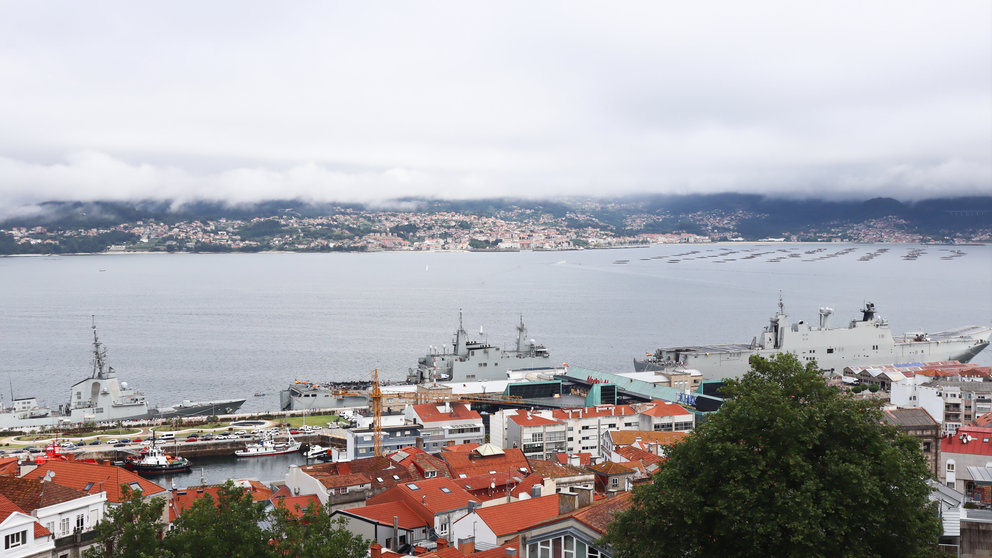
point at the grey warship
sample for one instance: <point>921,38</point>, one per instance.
<point>103,398</point>
<point>866,341</point>
<point>473,361</point>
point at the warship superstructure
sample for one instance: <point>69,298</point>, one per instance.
<point>102,398</point>
<point>863,342</point>
<point>472,361</point>
<point>468,361</point>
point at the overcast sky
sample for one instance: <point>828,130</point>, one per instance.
<point>365,101</point>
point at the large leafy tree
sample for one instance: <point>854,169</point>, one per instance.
<point>311,533</point>
<point>788,467</point>
<point>230,526</point>
<point>131,529</point>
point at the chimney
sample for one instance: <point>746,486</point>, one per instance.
<point>511,551</point>
<point>472,505</point>
<point>584,495</point>
<point>575,459</point>
<point>567,502</point>
<point>375,551</point>
<point>420,442</point>
<point>396,533</point>
<point>442,544</point>
<point>535,491</point>
<point>467,545</point>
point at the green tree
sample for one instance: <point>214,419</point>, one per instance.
<point>314,535</point>
<point>788,467</point>
<point>231,526</point>
<point>130,530</point>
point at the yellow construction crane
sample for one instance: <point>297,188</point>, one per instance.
<point>375,394</point>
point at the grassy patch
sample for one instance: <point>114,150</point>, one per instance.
<point>209,425</point>
<point>314,420</point>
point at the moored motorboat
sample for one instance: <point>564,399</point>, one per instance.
<point>156,461</point>
<point>269,446</point>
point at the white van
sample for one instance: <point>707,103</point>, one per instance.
<point>165,436</point>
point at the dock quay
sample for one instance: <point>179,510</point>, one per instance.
<point>206,448</point>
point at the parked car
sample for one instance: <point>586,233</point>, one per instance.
<point>192,439</point>
<point>95,443</point>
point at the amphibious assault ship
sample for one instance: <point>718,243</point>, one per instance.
<point>863,342</point>
<point>102,398</point>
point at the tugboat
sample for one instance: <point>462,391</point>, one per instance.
<point>268,446</point>
<point>156,461</point>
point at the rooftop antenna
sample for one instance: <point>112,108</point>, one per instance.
<point>48,476</point>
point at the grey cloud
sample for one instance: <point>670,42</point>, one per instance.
<point>357,102</point>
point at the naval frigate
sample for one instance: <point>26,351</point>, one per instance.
<point>867,341</point>
<point>103,398</point>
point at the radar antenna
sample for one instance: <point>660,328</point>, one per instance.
<point>99,353</point>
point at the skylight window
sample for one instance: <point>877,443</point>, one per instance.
<point>396,477</point>
<point>412,486</point>
<point>134,485</point>
<point>446,490</point>
<point>88,486</point>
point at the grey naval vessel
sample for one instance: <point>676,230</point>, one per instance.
<point>102,398</point>
<point>866,341</point>
<point>473,361</point>
<point>468,361</point>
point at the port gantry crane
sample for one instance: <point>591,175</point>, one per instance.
<point>375,395</point>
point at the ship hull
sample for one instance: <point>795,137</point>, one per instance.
<point>865,342</point>
<point>717,363</point>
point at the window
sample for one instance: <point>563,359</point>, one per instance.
<point>950,466</point>
<point>15,539</point>
<point>64,526</point>
<point>430,475</point>
<point>80,522</point>
<point>446,490</point>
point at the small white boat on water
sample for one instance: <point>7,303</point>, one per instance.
<point>269,446</point>
<point>317,452</point>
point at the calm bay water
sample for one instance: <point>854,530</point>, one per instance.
<point>219,326</point>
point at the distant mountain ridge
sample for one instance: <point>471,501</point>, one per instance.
<point>760,216</point>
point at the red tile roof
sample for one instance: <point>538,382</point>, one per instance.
<point>507,519</point>
<point>98,477</point>
<point>526,484</point>
<point>297,505</point>
<point>632,453</point>
<point>460,447</point>
<point>8,508</point>
<point>554,470</point>
<point>970,440</point>
<point>611,468</point>
<point>470,464</point>
<point>526,418</point>
<point>432,412</point>
<point>585,458</point>
<point>592,412</point>
<point>597,515</point>
<point>628,437</point>
<point>9,466</point>
<point>409,518</point>
<point>600,514</point>
<point>665,409</point>
<point>30,495</point>
<point>436,495</point>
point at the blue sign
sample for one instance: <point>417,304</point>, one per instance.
<point>687,399</point>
